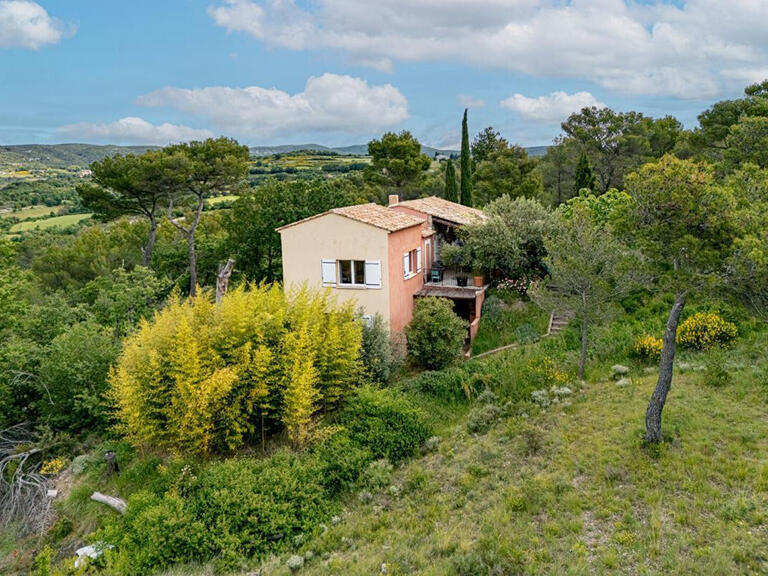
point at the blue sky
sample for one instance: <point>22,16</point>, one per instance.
<point>339,72</point>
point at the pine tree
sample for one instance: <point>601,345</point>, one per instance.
<point>466,164</point>
<point>451,188</point>
<point>585,178</point>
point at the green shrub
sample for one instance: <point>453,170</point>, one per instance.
<point>526,334</point>
<point>385,423</point>
<point>376,350</point>
<point>716,372</point>
<point>155,532</point>
<point>253,506</point>
<point>704,330</point>
<point>73,374</point>
<point>436,334</point>
<point>378,474</point>
<point>451,384</point>
<point>340,462</point>
<point>493,310</point>
<point>231,510</point>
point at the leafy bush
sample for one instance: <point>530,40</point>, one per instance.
<point>385,423</point>
<point>376,350</point>
<point>198,376</point>
<point>716,372</point>
<point>451,384</point>
<point>378,474</point>
<point>526,334</point>
<point>231,510</point>
<point>340,462</point>
<point>542,373</point>
<point>493,310</point>
<point>436,334</point>
<point>647,348</point>
<point>704,330</point>
<point>155,532</point>
<point>74,376</point>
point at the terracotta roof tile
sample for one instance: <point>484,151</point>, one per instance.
<point>445,210</point>
<point>373,214</point>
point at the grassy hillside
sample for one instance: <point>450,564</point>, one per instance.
<point>61,155</point>
<point>573,490</point>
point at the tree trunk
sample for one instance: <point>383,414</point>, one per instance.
<point>147,250</point>
<point>222,279</point>
<point>583,357</point>
<point>192,264</point>
<point>659,396</point>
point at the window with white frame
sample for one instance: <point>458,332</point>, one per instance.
<point>411,263</point>
<point>351,273</point>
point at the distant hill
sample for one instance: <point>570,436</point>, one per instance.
<point>66,155</point>
<point>62,155</point>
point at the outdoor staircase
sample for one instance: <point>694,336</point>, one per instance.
<point>558,321</point>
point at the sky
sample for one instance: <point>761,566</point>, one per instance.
<point>339,72</point>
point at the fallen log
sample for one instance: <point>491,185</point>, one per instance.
<point>114,503</point>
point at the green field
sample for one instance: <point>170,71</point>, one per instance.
<point>221,199</point>
<point>56,222</point>
<point>30,212</point>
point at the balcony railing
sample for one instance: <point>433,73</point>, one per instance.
<point>449,278</point>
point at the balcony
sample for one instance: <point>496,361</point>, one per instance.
<point>450,284</point>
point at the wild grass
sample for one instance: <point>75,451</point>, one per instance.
<point>574,490</point>
<point>518,322</point>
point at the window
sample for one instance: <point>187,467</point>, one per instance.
<point>352,272</point>
<point>357,273</point>
<point>411,263</point>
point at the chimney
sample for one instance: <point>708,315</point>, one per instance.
<point>394,199</point>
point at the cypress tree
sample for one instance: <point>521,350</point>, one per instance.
<point>585,178</point>
<point>451,189</point>
<point>466,164</point>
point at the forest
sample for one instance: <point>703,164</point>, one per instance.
<point>150,357</point>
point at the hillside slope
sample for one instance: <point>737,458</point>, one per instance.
<point>572,490</point>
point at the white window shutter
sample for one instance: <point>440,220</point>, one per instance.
<point>329,272</point>
<point>406,264</point>
<point>418,259</point>
<point>373,274</point>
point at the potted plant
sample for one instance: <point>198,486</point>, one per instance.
<point>478,277</point>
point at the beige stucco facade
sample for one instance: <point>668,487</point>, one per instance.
<point>335,237</point>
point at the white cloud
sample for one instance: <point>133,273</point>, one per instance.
<point>132,130</point>
<point>551,108</point>
<point>25,24</point>
<point>328,102</point>
<point>470,101</point>
<point>684,49</point>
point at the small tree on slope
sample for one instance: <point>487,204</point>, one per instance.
<point>680,219</point>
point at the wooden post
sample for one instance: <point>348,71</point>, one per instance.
<point>112,465</point>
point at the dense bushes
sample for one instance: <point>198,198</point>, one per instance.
<point>436,334</point>
<point>704,330</point>
<point>231,510</point>
<point>385,423</point>
<point>200,378</point>
<point>246,507</point>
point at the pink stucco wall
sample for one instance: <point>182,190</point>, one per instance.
<point>401,291</point>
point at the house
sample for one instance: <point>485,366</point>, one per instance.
<point>383,258</point>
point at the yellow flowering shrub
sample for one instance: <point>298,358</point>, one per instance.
<point>704,330</point>
<point>648,347</point>
<point>53,467</point>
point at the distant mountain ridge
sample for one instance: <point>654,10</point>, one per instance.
<point>67,155</point>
